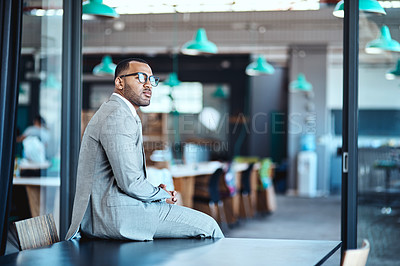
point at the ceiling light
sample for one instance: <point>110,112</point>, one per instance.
<point>172,80</point>
<point>300,84</point>
<point>199,45</point>
<point>220,93</point>
<point>51,82</point>
<point>40,12</point>
<point>390,4</point>
<point>384,42</point>
<point>368,6</point>
<point>259,67</point>
<point>95,8</point>
<point>105,68</point>
<point>210,117</point>
<point>182,6</point>
<point>395,73</point>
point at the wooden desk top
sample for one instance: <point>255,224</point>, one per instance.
<point>176,252</point>
<point>37,181</point>
<point>26,165</point>
<point>203,168</point>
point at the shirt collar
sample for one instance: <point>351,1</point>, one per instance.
<point>127,103</point>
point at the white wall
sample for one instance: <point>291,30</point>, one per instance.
<point>375,91</point>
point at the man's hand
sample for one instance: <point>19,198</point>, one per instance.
<point>173,198</point>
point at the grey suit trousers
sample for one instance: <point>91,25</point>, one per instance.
<point>173,222</point>
<point>178,222</point>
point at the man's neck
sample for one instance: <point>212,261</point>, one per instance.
<point>119,92</point>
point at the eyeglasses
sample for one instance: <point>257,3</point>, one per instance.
<point>142,77</point>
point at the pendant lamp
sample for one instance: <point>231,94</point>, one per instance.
<point>220,93</point>
<point>383,43</point>
<point>300,84</point>
<point>172,80</point>
<point>106,67</point>
<point>368,6</point>
<point>199,45</point>
<point>259,67</point>
<point>395,73</point>
<point>96,8</point>
<point>51,82</point>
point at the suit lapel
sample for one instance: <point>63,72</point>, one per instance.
<point>141,144</point>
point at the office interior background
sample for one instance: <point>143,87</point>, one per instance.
<point>219,111</point>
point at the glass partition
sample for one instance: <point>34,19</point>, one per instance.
<point>272,119</point>
<point>36,182</point>
<point>378,138</point>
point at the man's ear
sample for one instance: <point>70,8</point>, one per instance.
<point>119,83</point>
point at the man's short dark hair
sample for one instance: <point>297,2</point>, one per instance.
<point>124,65</point>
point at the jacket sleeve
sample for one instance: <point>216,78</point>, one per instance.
<point>122,144</point>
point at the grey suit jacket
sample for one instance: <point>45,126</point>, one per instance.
<point>113,198</point>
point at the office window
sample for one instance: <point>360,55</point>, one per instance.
<point>186,98</point>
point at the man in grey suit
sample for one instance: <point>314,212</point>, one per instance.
<point>113,197</point>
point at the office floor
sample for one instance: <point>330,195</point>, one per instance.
<point>296,218</point>
<point>383,233</point>
<point>319,219</point>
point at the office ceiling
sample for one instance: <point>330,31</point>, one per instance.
<point>186,6</point>
<point>267,32</point>
<point>270,33</point>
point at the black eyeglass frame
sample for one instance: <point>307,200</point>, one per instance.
<point>156,79</point>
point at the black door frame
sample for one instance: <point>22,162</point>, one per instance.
<point>350,126</point>
<point>10,51</point>
<point>71,108</point>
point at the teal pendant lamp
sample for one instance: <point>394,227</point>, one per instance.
<point>172,80</point>
<point>300,84</point>
<point>368,6</point>
<point>96,8</point>
<point>219,93</point>
<point>199,45</point>
<point>395,73</point>
<point>105,68</point>
<point>51,82</point>
<point>259,67</point>
<point>383,43</point>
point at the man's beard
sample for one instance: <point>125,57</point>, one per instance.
<point>134,98</point>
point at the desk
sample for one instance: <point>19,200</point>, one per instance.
<point>28,168</point>
<point>37,181</point>
<point>177,252</point>
<point>37,200</point>
<point>184,177</point>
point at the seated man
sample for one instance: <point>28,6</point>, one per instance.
<point>113,198</point>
